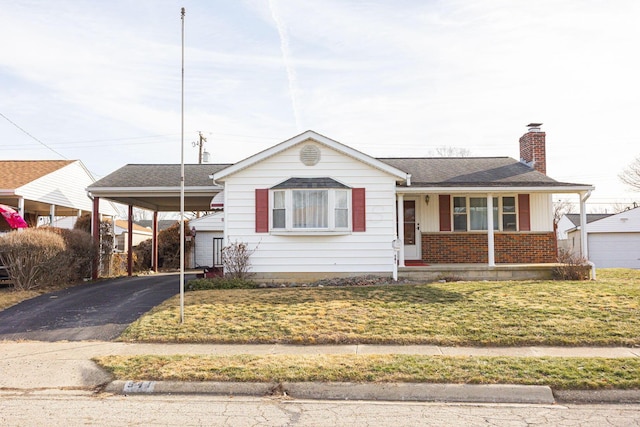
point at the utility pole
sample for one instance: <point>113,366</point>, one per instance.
<point>201,146</point>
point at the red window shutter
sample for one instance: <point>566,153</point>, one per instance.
<point>358,209</point>
<point>524,212</point>
<point>445,212</point>
<point>262,210</point>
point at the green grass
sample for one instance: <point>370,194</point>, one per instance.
<point>605,312</point>
<point>558,373</point>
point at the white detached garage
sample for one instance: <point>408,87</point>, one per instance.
<point>614,242</point>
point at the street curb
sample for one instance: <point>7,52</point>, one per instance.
<point>472,393</point>
<point>597,396</point>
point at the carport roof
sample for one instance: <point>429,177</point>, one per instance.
<point>157,186</point>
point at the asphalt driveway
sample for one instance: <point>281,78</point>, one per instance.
<point>94,311</point>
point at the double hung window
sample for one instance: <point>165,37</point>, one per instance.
<point>471,213</point>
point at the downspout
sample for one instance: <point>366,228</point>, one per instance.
<point>400,231</point>
<point>584,246</point>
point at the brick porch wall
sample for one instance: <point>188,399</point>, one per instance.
<point>471,248</point>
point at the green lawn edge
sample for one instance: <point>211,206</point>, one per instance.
<point>571,373</point>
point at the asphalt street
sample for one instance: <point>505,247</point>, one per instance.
<point>93,311</point>
<point>75,409</point>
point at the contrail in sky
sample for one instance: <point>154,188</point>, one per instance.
<point>286,57</point>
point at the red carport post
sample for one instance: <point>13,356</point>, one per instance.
<point>130,243</point>
<point>95,229</point>
<point>154,249</point>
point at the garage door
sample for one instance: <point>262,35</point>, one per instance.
<point>608,250</point>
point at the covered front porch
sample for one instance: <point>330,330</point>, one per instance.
<point>492,234</point>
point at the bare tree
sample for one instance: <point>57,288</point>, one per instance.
<point>445,151</point>
<point>560,208</point>
<point>631,174</point>
<point>621,207</point>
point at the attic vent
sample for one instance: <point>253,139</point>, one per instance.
<point>310,155</point>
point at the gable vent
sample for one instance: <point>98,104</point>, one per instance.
<point>310,155</point>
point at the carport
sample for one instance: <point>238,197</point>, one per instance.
<point>154,187</point>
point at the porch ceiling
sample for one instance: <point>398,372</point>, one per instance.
<point>35,207</point>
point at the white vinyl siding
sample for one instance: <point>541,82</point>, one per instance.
<point>368,251</point>
<point>614,241</point>
<point>65,187</point>
<point>207,228</point>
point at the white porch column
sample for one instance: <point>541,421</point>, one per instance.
<point>401,229</point>
<point>584,246</point>
<point>490,234</point>
<point>21,206</point>
<point>52,214</point>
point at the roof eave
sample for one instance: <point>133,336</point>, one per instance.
<point>495,189</point>
<point>150,191</point>
<point>278,148</point>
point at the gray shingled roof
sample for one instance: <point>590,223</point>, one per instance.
<point>425,172</point>
<point>310,183</point>
<point>575,218</point>
<point>471,172</point>
<point>144,176</point>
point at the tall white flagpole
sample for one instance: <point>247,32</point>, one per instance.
<point>182,12</point>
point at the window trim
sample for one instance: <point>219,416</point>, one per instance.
<point>499,210</point>
<point>331,212</point>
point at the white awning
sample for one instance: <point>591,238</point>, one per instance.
<point>217,203</point>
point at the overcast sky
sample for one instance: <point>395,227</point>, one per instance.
<point>99,81</point>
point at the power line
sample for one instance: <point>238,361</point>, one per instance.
<point>31,136</point>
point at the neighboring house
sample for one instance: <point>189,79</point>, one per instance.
<point>570,222</point>
<point>121,232</point>
<point>312,207</point>
<point>41,190</point>
<point>613,241</point>
<point>163,224</point>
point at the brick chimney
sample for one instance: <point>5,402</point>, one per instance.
<point>532,148</point>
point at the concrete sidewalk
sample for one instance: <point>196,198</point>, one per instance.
<point>31,365</point>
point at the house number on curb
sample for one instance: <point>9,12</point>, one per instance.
<point>138,387</point>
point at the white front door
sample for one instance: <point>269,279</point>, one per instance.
<point>411,236</point>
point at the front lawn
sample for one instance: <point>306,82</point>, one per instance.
<point>605,312</point>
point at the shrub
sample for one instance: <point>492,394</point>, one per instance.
<point>142,255</point>
<point>571,267</point>
<point>28,254</point>
<point>235,260</point>
<point>106,238</point>
<point>219,283</point>
<point>75,262</point>
<point>169,245</point>
<point>119,264</point>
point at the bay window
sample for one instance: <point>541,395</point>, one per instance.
<point>310,209</point>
